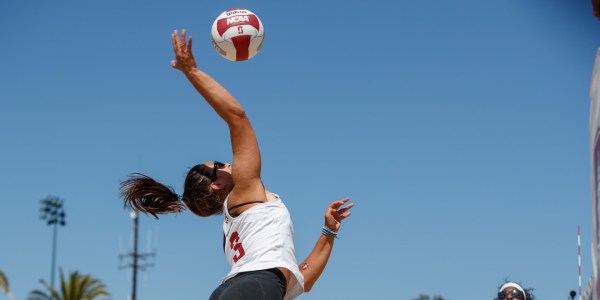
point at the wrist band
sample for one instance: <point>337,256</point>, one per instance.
<point>328,232</point>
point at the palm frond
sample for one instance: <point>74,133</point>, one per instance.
<point>38,295</point>
<point>77,287</point>
<point>4,285</point>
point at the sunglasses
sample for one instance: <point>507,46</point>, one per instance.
<point>216,165</point>
<point>514,293</point>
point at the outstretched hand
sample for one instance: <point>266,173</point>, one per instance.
<point>335,214</point>
<point>184,59</point>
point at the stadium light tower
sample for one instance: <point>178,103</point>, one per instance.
<point>54,214</point>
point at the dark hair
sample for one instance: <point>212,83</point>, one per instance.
<point>146,195</point>
<point>528,291</point>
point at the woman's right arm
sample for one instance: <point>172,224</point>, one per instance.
<point>228,108</point>
<point>246,162</point>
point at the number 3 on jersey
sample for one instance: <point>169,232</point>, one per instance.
<point>236,245</point>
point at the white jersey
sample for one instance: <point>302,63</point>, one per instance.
<point>260,238</point>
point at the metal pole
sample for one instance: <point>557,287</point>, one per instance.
<point>579,257</point>
<point>53,255</point>
<point>135,254</point>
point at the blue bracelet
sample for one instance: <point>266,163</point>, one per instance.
<point>325,233</point>
<point>329,232</point>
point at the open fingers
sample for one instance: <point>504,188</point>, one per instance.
<point>343,216</point>
<point>345,209</point>
<point>343,213</point>
<point>183,38</point>
<point>181,43</point>
<point>337,204</point>
<point>174,40</point>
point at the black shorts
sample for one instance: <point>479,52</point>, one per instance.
<point>267,284</point>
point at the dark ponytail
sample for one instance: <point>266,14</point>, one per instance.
<point>149,196</point>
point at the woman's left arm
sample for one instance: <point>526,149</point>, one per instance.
<point>312,267</point>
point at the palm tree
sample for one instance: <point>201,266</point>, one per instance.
<point>4,285</point>
<point>79,287</point>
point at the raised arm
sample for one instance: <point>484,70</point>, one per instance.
<point>246,162</point>
<point>312,267</point>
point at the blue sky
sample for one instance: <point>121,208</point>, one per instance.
<point>459,129</point>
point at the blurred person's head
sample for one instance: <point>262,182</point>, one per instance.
<point>514,291</point>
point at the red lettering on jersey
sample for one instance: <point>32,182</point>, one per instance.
<point>236,245</point>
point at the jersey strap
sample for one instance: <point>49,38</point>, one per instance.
<point>240,205</point>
